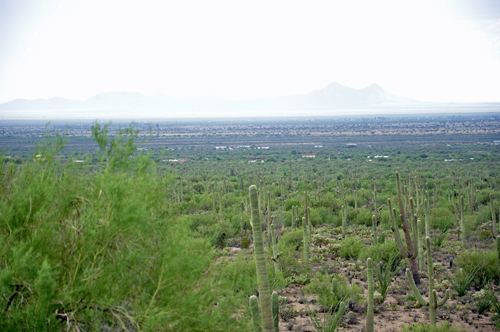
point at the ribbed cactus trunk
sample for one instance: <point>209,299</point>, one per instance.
<point>254,309</point>
<point>344,221</point>
<point>276,313</point>
<point>498,247</point>
<point>374,224</point>
<point>309,223</point>
<point>305,240</point>
<point>420,246</point>
<point>260,262</point>
<point>493,218</point>
<point>369,310</point>
<point>427,226</point>
<point>462,222</point>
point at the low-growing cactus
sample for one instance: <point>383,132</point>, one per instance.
<point>433,304</point>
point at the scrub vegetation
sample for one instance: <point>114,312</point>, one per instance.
<point>129,236</point>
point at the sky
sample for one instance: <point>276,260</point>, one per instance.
<point>430,50</point>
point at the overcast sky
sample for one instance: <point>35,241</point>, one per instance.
<point>426,50</point>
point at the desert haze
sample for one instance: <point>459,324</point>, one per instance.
<point>332,100</point>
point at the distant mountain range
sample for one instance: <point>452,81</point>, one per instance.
<point>334,95</point>
<point>333,99</point>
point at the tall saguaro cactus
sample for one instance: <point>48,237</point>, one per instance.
<point>260,262</point>
<point>410,251</point>
<point>369,310</point>
<point>433,304</point>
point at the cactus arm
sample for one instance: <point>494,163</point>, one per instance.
<point>260,262</point>
<point>414,288</point>
<point>254,309</point>
<point>402,251</point>
<point>369,310</point>
<point>276,315</point>
<point>445,298</point>
<point>403,217</point>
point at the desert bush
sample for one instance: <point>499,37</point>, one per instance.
<point>423,327</point>
<point>486,259</point>
<point>328,297</point>
<point>352,247</point>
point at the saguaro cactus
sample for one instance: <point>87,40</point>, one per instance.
<point>420,246</point>
<point>369,310</point>
<point>498,246</point>
<point>305,240</point>
<point>433,304</point>
<point>462,222</point>
<point>276,254</point>
<point>374,224</point>
<point>293,217</point>
<point>493,218</point>
<point>344,221</point>
<point>260,262</point>
<point>410,251</point>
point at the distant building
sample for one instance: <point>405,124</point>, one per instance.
<point>180,161</point>
<point>308,155</point>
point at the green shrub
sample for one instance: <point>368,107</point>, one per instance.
<point>486,259</point>
<point>382,252</point>
<point>352,247</point>
<point>424,327</point>
<point>322,287</point>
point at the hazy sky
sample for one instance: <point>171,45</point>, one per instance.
<point>427,50</point>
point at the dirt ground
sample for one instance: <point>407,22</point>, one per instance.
<point>396,311</point>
